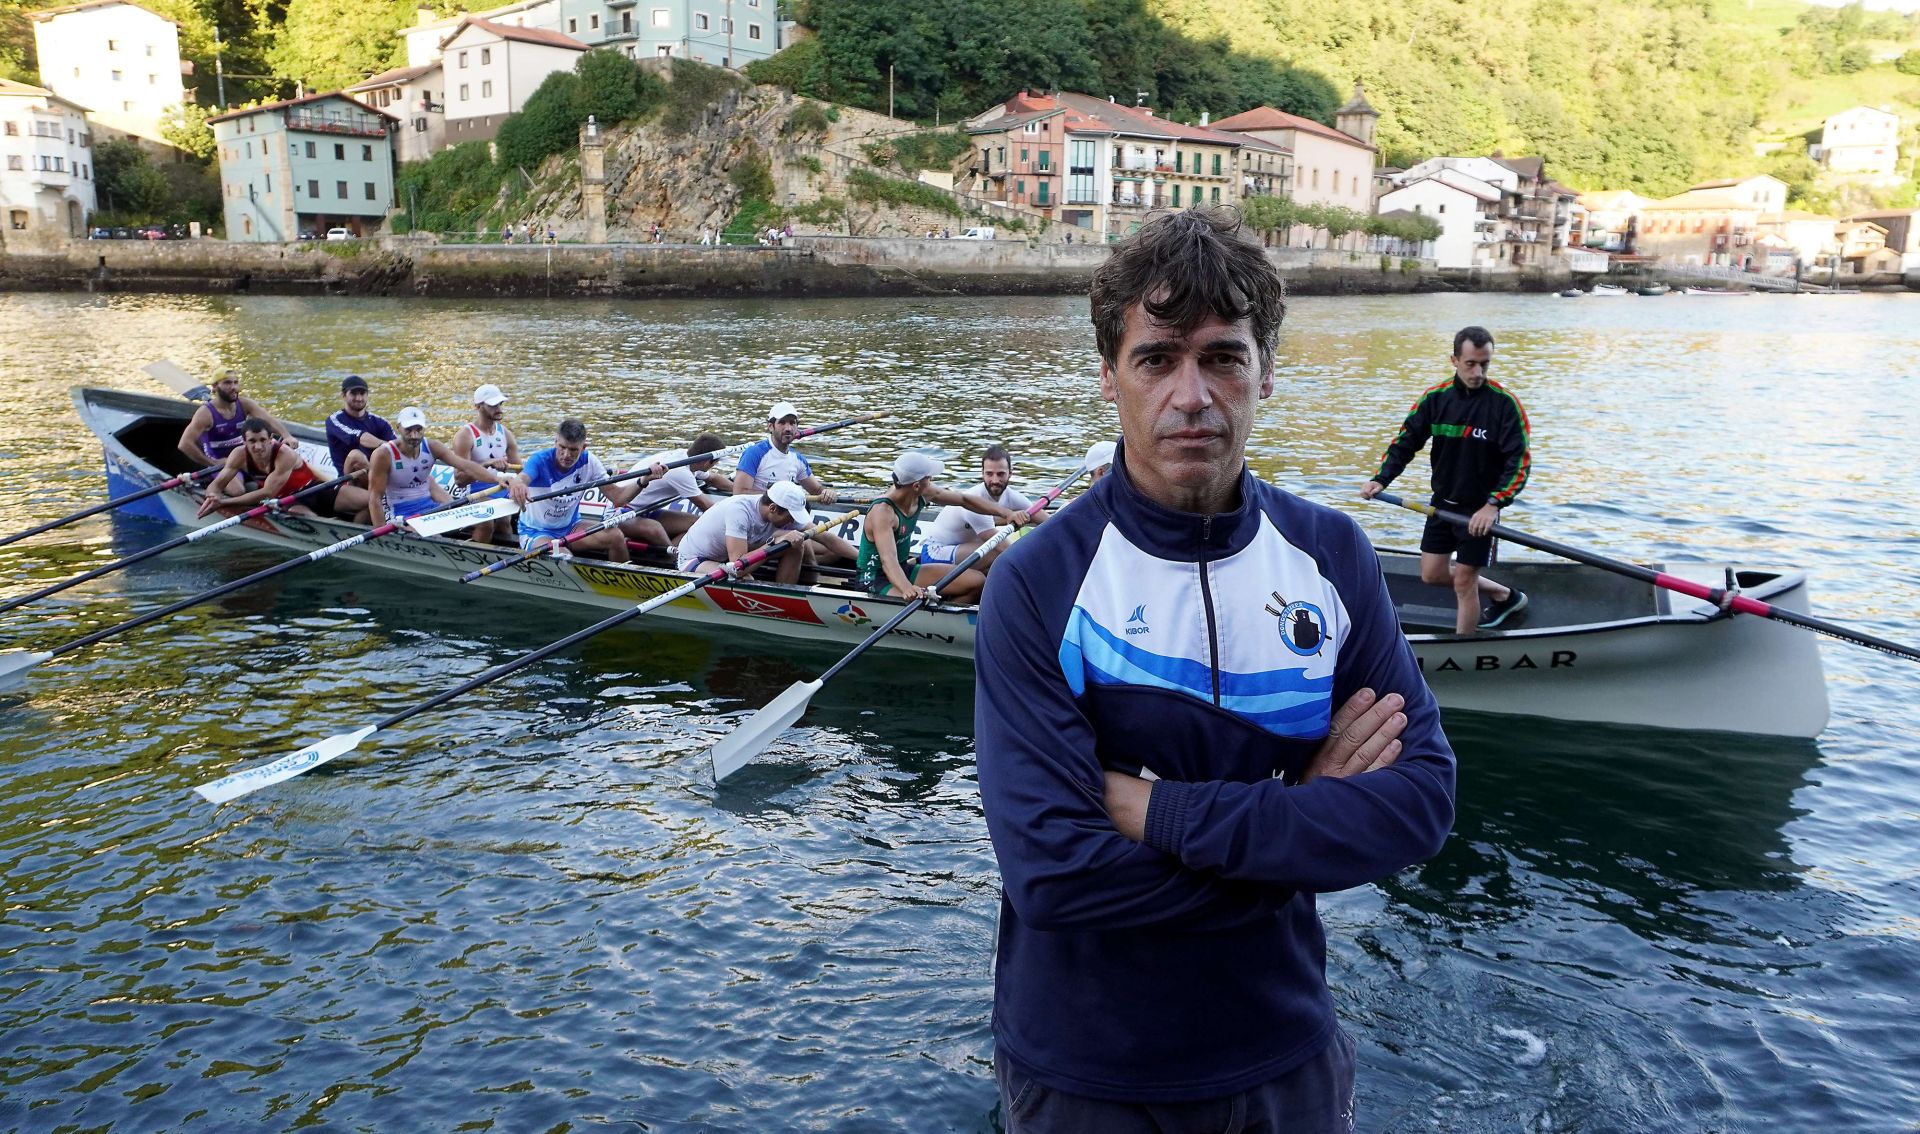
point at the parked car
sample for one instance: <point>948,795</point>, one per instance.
<point>123,233</point>
<point>340,234</point>
<point>151,232</point>
<point>309,234</point>
<point>977,234</point>
<point>177,232</point>
<point>100,234</point>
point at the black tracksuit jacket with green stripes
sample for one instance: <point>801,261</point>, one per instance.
<point>1479,443</point>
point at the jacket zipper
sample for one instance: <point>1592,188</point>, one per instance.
<point>1206,600</point>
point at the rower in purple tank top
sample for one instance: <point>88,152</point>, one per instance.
<point>214,429</point>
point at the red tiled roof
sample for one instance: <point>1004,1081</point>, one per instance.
<point>1267,118</point>
<point>1135,120</point>
<point>511,31</point>
<point>284,103</point>
<point>397,75</point>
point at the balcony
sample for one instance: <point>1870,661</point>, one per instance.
<point>321,122</point>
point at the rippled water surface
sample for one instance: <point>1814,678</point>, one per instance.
<point>533,911</point>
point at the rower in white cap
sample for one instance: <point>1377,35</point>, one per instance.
<point>768,462</point>
<point>740,524</point>
<point>400,474</point>
<point>1099,461</point>
<point>883,567</point>
<point>486,441</point>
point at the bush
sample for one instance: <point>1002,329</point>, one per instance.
<point>931,149</point>
<point>809,119</point>
<point>550,123</point>
<point>1908,63</point>
<point>695,89</point>
<point>811,164</point>
<point>609,86</point>
<point>755,215</point>
<point>752,177</point>
<point>798,68</point>
<point>453,191</point>
<point>870,188</point>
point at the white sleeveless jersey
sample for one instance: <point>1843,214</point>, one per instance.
<point>412,477</point>
<point>488,446</point>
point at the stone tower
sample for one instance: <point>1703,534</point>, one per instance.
<point>593,181</point>
<point>1358,117</point>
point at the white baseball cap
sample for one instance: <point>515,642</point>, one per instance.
<point>911,467</point>
<point>410,417</point>
<point>793,498</point>
<point>489,395</point>
<point>782,411</point>
<point>1100,455</point>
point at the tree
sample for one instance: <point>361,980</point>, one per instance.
<point>549,124</point>
<point>328,44</point>
<point>131,184</point>
<point>609,86</point>
<point>185,127</point>
<point>1908,63</point>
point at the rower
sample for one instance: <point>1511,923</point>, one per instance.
<point>567,464</point>
<point>400,473</point>
<point>1099,461</point>
<point>352,435</point>
<point>277,468</point>
<point>655,523</point>
<point>956,532</point>
<point>883,565</point>
<point>766,463</point>
<point>214,430</point>
<point>739,524</point>
<point>486,441</point>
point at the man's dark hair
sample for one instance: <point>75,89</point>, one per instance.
<point>1478,336</point>
<point>573,431</point>
<point>706,443</point>
<point>997,453</point>
<point>1183,267</point>
<point>255,425</point>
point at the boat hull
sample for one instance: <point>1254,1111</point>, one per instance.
<point>1681,667</point>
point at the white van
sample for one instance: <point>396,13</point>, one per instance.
<point>976,234</point>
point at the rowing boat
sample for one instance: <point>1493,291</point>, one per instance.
<point>1591,646</point>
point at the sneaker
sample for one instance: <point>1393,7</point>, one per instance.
<point>1498,612</point>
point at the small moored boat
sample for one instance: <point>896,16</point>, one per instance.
<point>1591,645</point>
<point>1653,289</point>
<point>1608,289</point>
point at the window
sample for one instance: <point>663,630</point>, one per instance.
<point>310,150</point>
<point>1216,173</point>
<point>152,80</point>
<point>313,187</point>
<point>1215,195</point>
<point>127,107</point>
<point>366,153</point>
<point>269,184</point>
<point>339,151</point>
<point>69,135</point>
<point>593,21</point>
<point>1043,193</point>
<point>463,59</point>
<point>1441,209</point>
<point>1080,159</point>
<point>463,92</point>
<point>1316,179</point>
<point>1002,154</point>
<point>340,190</point>
<point>1023,154</point>
<point>1019,188</point>
<point>661,19</point>
<point>249,149</point>
<point>486,89</point>
<point>370,195</point>
<point>1046,160</point>
<point>419,125</point>
<point>13,129</point>
<point>486,56</point>
<point>149,50</point>
<point>113,45</point>
<point>626,23</point>
<point>1179,159</point>
<point>701,22</point>
<point>14,162</point>
<point>1176,196</point>
<point>666,52</point>
<point>116,76</point>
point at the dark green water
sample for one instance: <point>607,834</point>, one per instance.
<point>532,911</point>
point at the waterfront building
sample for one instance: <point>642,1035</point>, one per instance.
<point>1861,246</point>
<point>1467,208</point>
<point>1714,222</point>
<point>1613,220</point>
<point>119,60</point>
<point>490,70</point>
<point>1805,238</point>
<point>1860,139</point>
<point>725,33</point>
<point>1902,227</point>
<point>418,97</point>
<point>46,165</point>
<point>1531,224</point>
<point>304,166</point>
<point>1328,165</point>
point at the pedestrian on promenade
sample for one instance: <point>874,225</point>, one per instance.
<point>1200,714</point>
<point>1480,462</point>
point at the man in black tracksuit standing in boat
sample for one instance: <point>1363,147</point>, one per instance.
<point>1480,464</point>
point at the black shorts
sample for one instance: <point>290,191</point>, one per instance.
<point>323,501</point>
<point>1442,537</point>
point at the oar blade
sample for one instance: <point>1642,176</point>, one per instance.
<point>285,768</point>
<point>761,729</point>
<point>176,378</point>
<point>465,516</point>
<point>15,665</point>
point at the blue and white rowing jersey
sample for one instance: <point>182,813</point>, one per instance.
<point>410,481</point>
<point>543,474</point>
<point>768,465</point>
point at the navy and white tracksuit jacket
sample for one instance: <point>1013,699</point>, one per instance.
<point>1212,650</point>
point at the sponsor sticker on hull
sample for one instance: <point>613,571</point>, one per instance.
<point>787,608</point>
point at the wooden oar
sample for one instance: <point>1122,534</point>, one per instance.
<point>174,482</point>
<point>191,537</point>
<point>314,755</point>
<point>612,518</point>
<point>14,666</point>
<point>468,515</point>
<point>752,737</point>
<point>1716,595</point>
<point>175,377</point>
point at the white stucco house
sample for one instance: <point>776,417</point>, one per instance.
<point>46,165</point>
<point>119,60</point>
<point>489,71</point>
